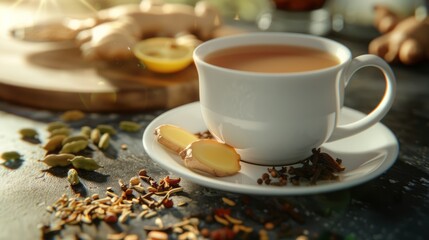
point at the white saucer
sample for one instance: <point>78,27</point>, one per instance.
<point>365,156</point>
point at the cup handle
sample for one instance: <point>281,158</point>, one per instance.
<point>367,60</point>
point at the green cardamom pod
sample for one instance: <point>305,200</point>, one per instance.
<point>54,143</point>
<point>85,163</point>
<point>95,136</point>
<point>74,147</point>
<point>60,131</point>
<point>72,115</point>
<point>58,160</point>
<point>86,131</point>
<point>74,138</point>
<point>10,155</point>
<point>129,126</point>
<point>104,128</point>
<point>73,177</point>
<point>28,133</point>
<point>55,125</point>
<point>104,141</point>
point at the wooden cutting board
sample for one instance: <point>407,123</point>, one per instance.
<point>54,76</point>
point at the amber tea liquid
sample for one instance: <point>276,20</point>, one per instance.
<point>272,58</point>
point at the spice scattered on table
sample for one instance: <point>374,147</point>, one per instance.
<point>10,156</point>
<point>114,207</point>
<point>320,166</point>
<point>72,115</point>
<point>204,135</point>
<point>142,197</point>
<point>73,177</point>
<point>130,126</point>
<point>28,133</point>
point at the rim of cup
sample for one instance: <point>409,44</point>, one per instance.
<point>342,53</point>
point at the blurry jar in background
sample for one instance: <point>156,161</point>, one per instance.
<point>246,11</point>
<point>299,5</point>
<point>299,16</point>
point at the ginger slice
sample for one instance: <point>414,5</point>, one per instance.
<point>212,157</point>
<point>174,138</point>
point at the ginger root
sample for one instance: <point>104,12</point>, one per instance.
<point>174,138</point>
<point>205,155</point>
<point>404,40</point>
<point>115,39</point>
<point>113,32</point>
<point>212,157</point>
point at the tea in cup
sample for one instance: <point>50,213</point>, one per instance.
<point>276,96</point>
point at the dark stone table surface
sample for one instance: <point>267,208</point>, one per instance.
<point>394,205</point>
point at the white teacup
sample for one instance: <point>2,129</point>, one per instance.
<point>278,118</point>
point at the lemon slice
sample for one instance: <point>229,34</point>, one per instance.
<point>163,55</point>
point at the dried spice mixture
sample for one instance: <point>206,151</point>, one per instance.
<point>143,197</point>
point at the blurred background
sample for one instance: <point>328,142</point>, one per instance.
<point>320,17</point>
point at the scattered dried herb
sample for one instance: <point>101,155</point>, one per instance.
<point>204,135</point>
<point>228,201</point>
<point>138,201</point>
<point>318,167</point>
<point>113,208</point>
